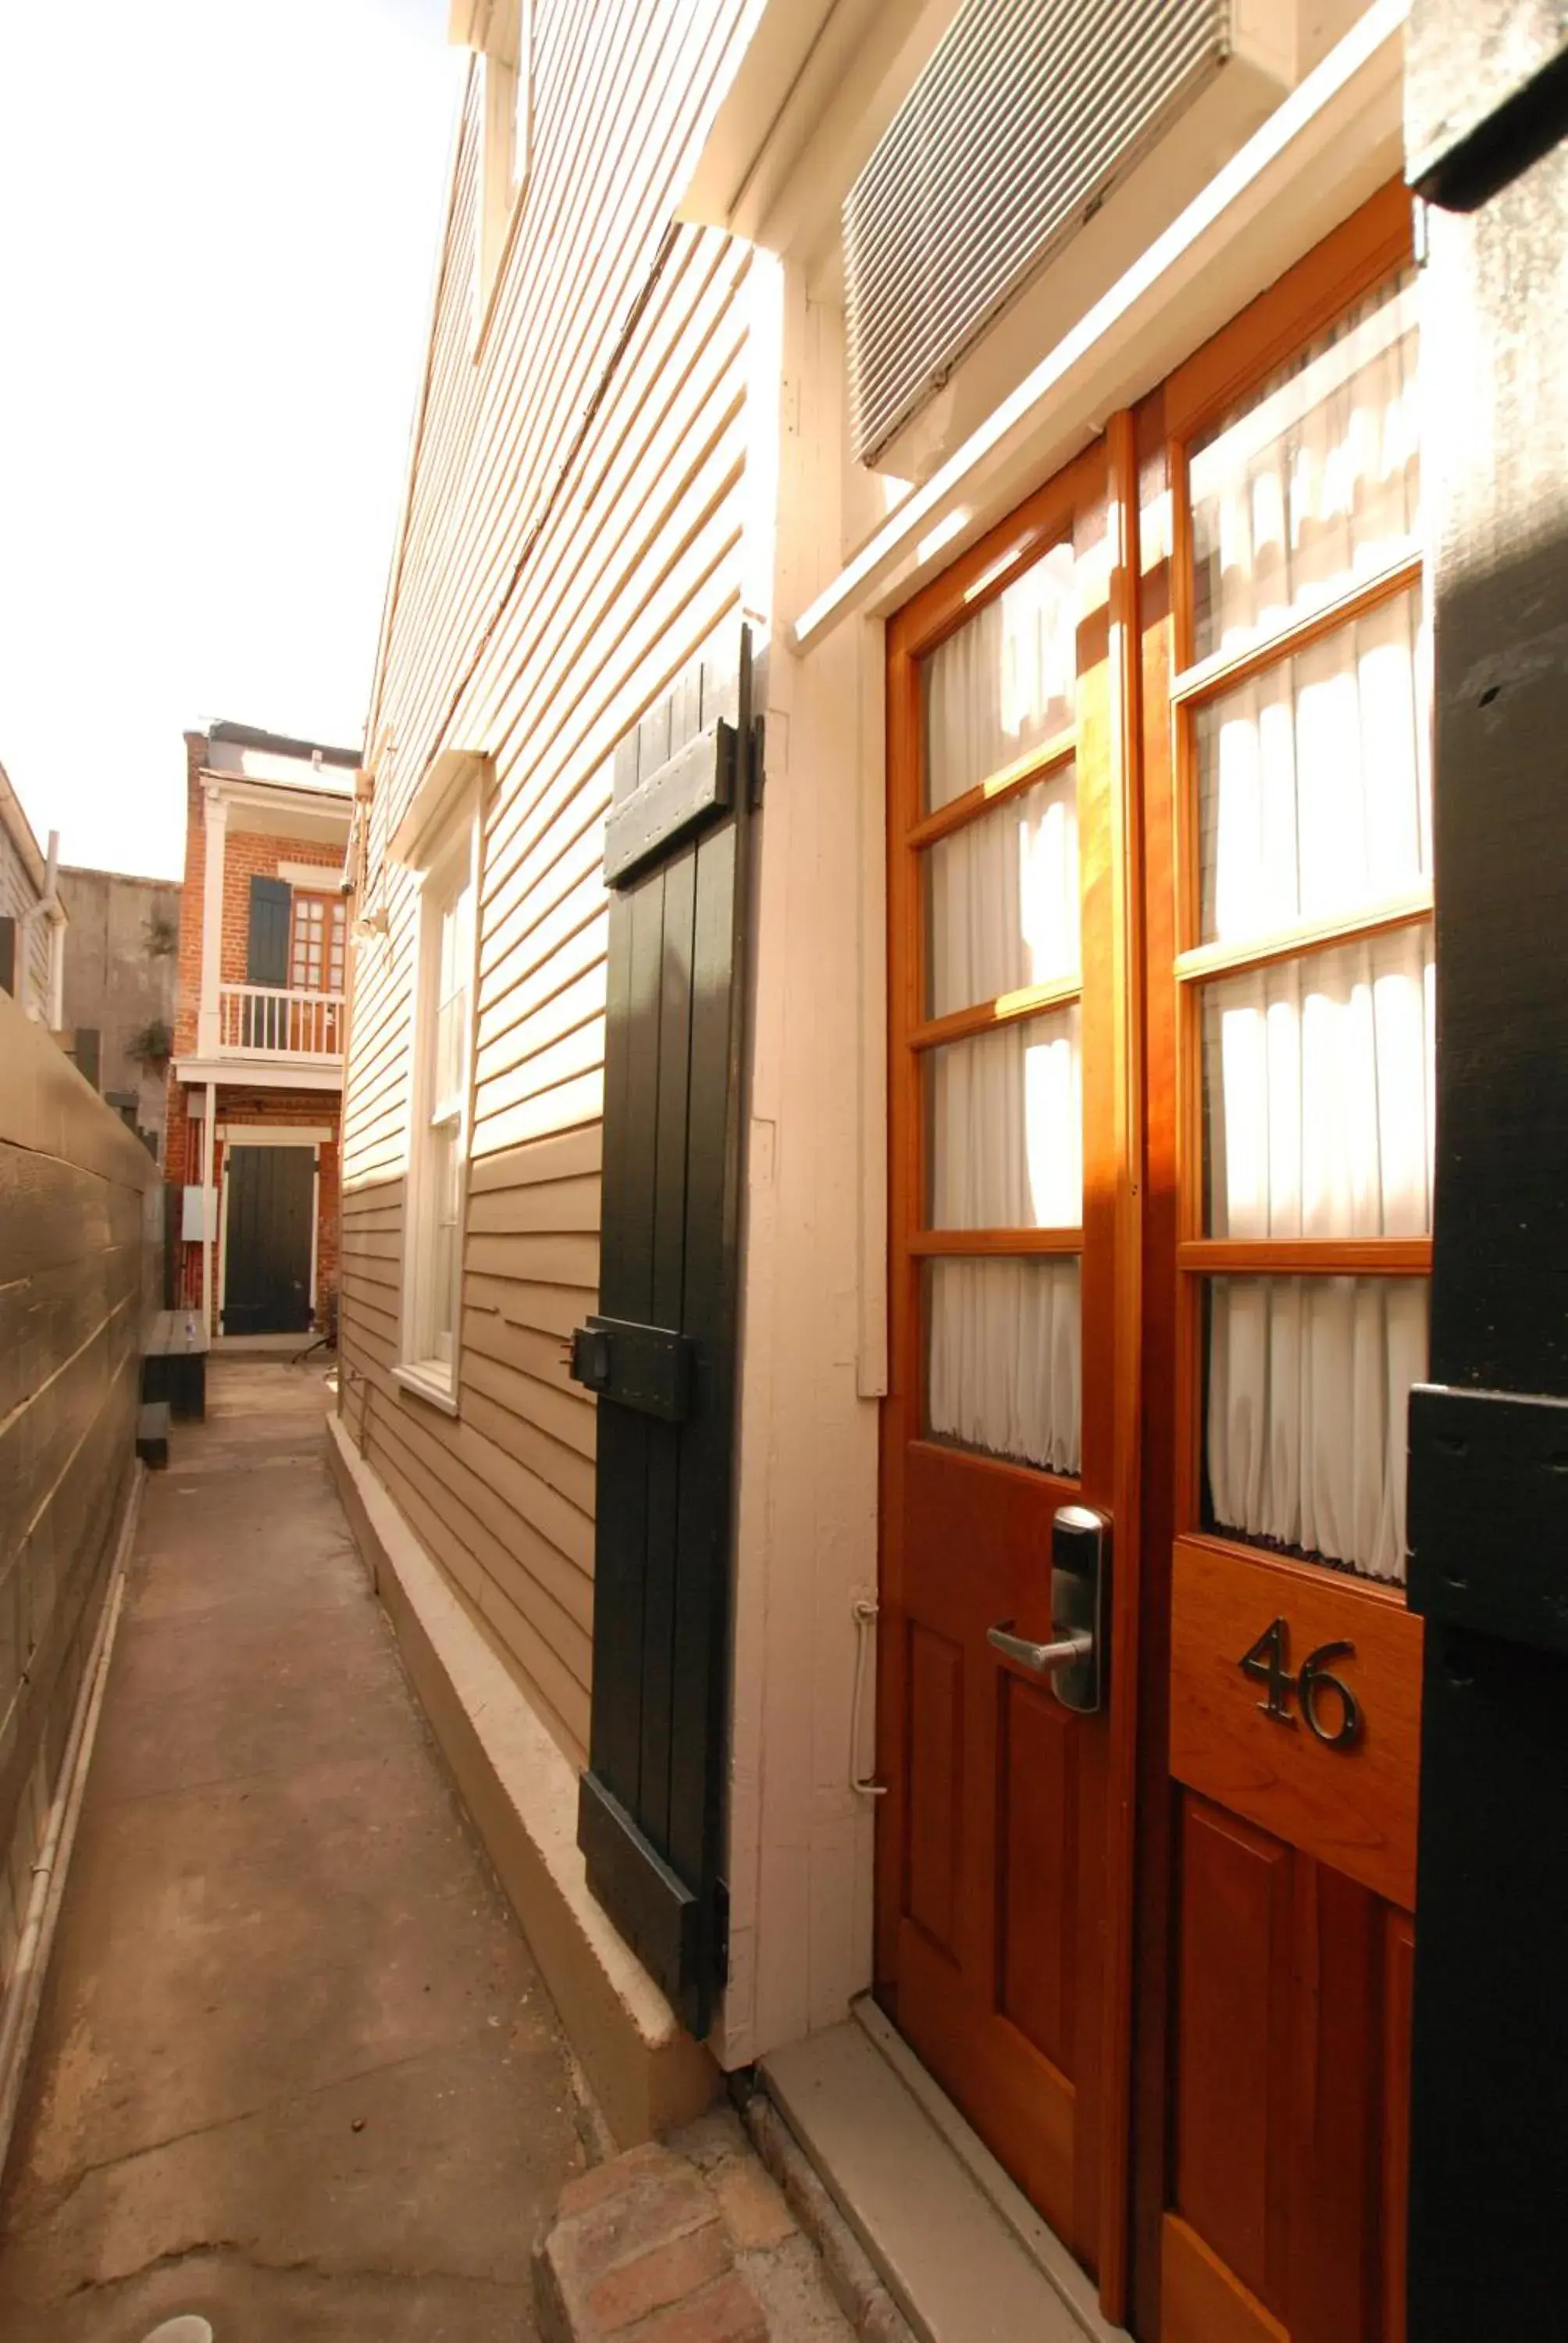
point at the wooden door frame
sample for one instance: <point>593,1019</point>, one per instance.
<point>1113,1184</point>
<point>1352,261</point>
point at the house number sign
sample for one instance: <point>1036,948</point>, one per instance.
<point>1330,1710</point>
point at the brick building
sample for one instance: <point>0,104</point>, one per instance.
<point>256,1080</point>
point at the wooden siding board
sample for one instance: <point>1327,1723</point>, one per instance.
<point>570,540</point>
<point>563,1108</point>
<point>565,1158</point>
<point>494,1530</point>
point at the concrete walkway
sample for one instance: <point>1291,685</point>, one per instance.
<point>295,2070</point>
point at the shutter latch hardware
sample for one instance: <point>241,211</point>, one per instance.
<point>648,1368</point>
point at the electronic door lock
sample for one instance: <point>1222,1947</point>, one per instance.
<point>1074,1658</point>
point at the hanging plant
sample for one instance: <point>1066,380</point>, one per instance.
<point>161,934</point>
<point>152,1045</point>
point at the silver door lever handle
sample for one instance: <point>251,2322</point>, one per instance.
<point>1041,1658</point>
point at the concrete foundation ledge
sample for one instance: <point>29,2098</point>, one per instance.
<point>646,2071</point>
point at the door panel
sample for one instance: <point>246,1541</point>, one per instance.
<point>1289,1042</point>
<point>1292,2022</point>
<point>267,1275</point>
<point>1011,1179</point>
<point>1038,1802</point>
<point>1350,1801</point>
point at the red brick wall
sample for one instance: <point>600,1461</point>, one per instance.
<point>236,1107</point>
<point>188,999</point>
<point>246,855</point>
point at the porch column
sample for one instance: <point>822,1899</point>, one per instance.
<point>208,1136</point>
<point>1486,126</point>
<point>215,842</point>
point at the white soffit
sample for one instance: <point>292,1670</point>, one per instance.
<point>445,782</point>
<point>1329,145</point>
<point>815,85</point>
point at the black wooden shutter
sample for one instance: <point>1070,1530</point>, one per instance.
<point>7,956</point>
<point>266,959</point>
<point>662,1354</point>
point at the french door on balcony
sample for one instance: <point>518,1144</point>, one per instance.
<point>1161,1029</point>
<point>317,944</point>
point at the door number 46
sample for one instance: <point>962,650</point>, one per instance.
<point>1330,1709</point>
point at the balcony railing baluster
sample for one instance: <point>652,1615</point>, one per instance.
<point>262,1020</point>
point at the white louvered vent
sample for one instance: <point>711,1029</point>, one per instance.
<point>1028,114</point>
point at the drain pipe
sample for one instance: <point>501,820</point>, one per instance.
<point>26,1986</point>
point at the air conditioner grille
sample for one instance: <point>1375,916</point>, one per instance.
<point>1027,114</point>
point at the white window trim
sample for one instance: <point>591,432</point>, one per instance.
<point>442,831</point>
<point>502,34</point>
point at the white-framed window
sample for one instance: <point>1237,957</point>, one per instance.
<point>439,1110</point>
<point>503,32</point>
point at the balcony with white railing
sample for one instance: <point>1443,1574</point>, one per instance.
<point>264,1023</point>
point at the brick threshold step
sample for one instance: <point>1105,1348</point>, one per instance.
<point>686,2241</point>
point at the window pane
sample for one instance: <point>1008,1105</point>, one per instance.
<point>451,1026</point>
<point>455,961</point>
<point>1003,683</point>
<point>1314,482</point>
<point>1309,1380</point>
<point>1314,780</point>
<point>1002,897</point>
<point>1319,1093</point>
<point>442,1168</point>
<point>1005,1128</point>
<point>1004,1357</point>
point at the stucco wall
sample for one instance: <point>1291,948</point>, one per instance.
<point>119,981</point>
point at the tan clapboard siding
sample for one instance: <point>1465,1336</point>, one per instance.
<point>596,212</point>
<point>571,1156</point>
<point>570,541</point>
<point>451,1532</point>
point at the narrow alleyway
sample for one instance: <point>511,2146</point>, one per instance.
<point>295,2070</point>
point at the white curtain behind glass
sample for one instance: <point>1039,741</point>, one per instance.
<point>1002,894</point>
<point>1320,1087</point>
<point>1007,1128</point>
<point>1309,1379</point>
<point>1005,682</point>
<point>1317,483</point>
<point>1005,1112</point>
<point>1006,1358</point>
<point>1315,801</point>
<point>1316,780</point>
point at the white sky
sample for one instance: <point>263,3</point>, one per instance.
<point>218,222</point>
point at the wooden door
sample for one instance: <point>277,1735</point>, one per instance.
<point>316,956</point>
<point>267,1271</point>
<point>316,944</point>
<point>1002,1850</point>
<point>1290,969</point>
